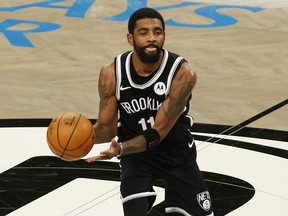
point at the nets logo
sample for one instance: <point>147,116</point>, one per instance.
<point>159,88</point>
<point>204,200</point>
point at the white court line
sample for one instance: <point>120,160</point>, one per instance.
<point>266,173</point>
<point>265,142</point>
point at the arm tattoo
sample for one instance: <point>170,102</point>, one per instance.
<point>176,104</point>
<point>103,95</point>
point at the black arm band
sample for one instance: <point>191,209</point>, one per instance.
<point>152,138</point>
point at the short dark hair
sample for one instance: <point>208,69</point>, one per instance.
<point>141,14</point>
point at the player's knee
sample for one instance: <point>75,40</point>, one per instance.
<point>137,207</point>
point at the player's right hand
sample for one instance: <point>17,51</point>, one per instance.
<point>113,151</point>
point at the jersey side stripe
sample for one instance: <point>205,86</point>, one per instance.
<point>171,74</point>
<point>118,75</point>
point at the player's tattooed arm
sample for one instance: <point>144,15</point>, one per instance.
<point>174,105</point>
<point>106,125</point>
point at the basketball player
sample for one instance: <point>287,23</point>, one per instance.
<point>150,88</point>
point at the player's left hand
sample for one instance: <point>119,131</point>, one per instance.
<point>113,151</point>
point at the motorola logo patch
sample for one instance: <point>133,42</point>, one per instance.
<point>159,88</point>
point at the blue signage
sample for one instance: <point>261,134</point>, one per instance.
<point>80,7</point>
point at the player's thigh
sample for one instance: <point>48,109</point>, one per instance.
<point>186,190</point>
<point>136,186</point>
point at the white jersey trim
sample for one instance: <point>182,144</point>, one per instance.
<point>181,211</point>
<point>191,119</point>
<point>138,195</point>
<point>118,75</point>
<point>153,79</point>
<point>171,74</point>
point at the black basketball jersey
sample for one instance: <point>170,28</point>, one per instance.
<point>139,98</point>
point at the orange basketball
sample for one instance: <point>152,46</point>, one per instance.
<point>70,136</point>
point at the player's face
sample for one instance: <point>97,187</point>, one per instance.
<point>148,39</point>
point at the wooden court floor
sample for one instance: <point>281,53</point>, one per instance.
<point>241,66</point>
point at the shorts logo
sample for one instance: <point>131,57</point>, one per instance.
<point>204,200</point>
<point>159,88</point>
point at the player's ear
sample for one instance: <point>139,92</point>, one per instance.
<point>130,39</point>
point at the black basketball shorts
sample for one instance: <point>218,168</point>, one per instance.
<point>185,193</point>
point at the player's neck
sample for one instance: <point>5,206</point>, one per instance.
<point>145,69</point>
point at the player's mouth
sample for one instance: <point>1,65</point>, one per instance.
<point>151,48</point>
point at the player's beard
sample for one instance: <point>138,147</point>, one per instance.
<point>148,58</point>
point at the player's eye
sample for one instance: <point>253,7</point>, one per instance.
<point>143,33</point>
<point>158,32</point>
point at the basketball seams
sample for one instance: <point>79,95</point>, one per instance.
<point>71,135</point>
<point>49,131</point>
<point>72,138</point>
<point>55,150</point>
<point>58,126</point>
<point>84,142</point>
<point>68,151</point>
